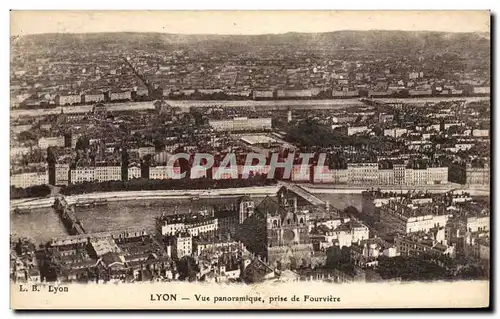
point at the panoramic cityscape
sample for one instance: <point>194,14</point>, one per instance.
<point>340,157</point>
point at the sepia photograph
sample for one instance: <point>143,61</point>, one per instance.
<point>250,159</point>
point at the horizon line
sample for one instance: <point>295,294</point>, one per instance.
<point>246,22</point>
<point>250,34</point>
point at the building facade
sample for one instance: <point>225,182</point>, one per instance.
<point>61,174</point>
<point>107,173</point>
<point>363,173</point>
<point>82,174</point>
<point>55,141</point>
<point>24,180</point>
<point>68,99</point>
<point>134,172</point>
<point>183,246</point>
<point>242,124</point>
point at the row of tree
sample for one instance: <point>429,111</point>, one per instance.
<point>29,192</point>
<point>310,133</point>
<point>171,184</point>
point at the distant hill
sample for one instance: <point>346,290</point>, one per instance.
<point>433,42</point>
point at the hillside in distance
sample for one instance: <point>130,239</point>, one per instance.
<point>431,42</point>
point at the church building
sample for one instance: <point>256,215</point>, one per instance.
<point>277,231</point>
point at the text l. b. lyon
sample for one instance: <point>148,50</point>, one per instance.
<point>50,288</point>
<point>163,297</point>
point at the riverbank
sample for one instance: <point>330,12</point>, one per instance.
<point>33,203</point>
<point>474,190</point>
<point>147,195</point>
<point>268,104</point>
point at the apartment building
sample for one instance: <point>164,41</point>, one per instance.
<point>28,179</point>
<point>68,99</point>
<point>386,177</point>
<point>183,246</point>
<point>405,219</point>
<point>352,130</point>
<point>61,174</point>
<point>395,132</point>
<point>54,141</point>
<point>158,172</point>
<point>94,98</point>
<point>107,173</point>
<point>126,95</point>
<point>362,173</point>
<point>242,124</point>
<point>134,172</point>
<point>82,174</point>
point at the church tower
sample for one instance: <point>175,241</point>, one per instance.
<point>245,208</point>
<point>287,199</point>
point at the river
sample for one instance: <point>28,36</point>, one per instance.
<point>40,225</point>
<point>43,224</point>
<point>341,201</point>
<point>271,105</point>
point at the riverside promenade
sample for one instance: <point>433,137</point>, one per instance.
<point>474,190</point>
<point>32,203</point>
<point>138,195</point>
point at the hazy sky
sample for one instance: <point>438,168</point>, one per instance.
<point>244,22</point>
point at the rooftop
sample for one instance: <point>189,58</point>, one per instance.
<point>257,139</point>
<point>103,245</point>
<point>187,218</point>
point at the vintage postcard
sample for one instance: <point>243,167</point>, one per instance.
<point>250,159</point>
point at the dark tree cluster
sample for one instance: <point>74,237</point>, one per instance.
<point>171,184</point>
<point>310,133</point>
<point>29,192</point>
